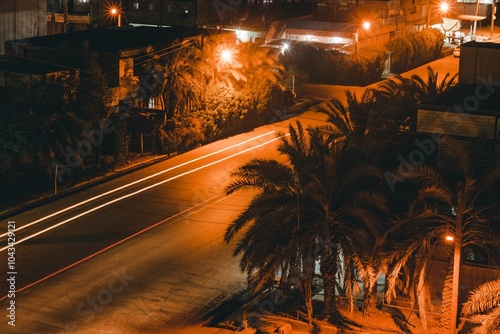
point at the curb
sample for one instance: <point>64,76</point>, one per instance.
<point>99,180</point>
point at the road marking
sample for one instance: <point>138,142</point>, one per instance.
<point>142,190</point>
<point>113,245</point>
<point>138,181</point>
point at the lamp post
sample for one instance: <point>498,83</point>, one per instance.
<point>284,48</point>
<point>457,253</point>
<point>116,12</point>
<point>443,8</point>
<point>366,26</point>
<point>493,17</point>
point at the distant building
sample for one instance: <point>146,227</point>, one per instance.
<point>74,15</point>
<point>479,63</point>
<point>21,19</point>
<point>120,53</point>
<point>339,23</point>
<point>468,112</point>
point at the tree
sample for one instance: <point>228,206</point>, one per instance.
<point>432,87</point>
<point>316,206</point>
<point>459,205</point>
<point>178,87</point>
<point>93,98</point>
<point>483,306</point>
<point>53,118</point>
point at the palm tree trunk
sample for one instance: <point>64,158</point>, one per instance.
<point>307,283</point>
<point>328,268</point>
<point>445,318</point>
<point>307,280</point>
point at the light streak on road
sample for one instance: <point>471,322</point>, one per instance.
<point>113,245</point>
<point>136,182</point>
<point>142,190</point>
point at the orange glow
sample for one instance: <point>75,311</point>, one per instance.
<point>444,7</point>
<point>114,11</point>
<point>226,55</point>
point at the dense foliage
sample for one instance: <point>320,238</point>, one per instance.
<point>414,49</point>
<point>335,67</point>
<point>62,123</point>
<point>327,202</point>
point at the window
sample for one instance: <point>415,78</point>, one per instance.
<point>152,103</point>
<point>135,5</point>
<point>151,6</point>
<point>170,8</point>
<point>82,1</point>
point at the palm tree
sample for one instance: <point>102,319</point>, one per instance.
<point>275,240</point>
<point>398,96</point>
<point>483,306</point>
<point>432,86</point>
<point>458,206</point>
<point>179,88</point>
<point>314,206</point>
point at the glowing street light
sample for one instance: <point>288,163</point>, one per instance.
<point>116,12</point>
<point>285,47</point>
<point>443,9</point>
<point>226,56</point>
<point>366,26</point>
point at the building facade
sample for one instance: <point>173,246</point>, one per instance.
<point>21,19</point>
<point>162,12</point>
<point>468,112</point>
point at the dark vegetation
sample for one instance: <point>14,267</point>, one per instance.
<point>336,67</point>
<point>62,122</point>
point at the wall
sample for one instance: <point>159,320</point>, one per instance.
<point>479,60</point>
<point>22,19</point>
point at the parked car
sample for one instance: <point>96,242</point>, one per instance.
<point>456,51</point>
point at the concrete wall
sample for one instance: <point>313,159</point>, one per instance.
<point>479,60</point>
<point>22,19</point>
<point>470,278</point>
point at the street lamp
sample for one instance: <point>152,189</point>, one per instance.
<point>226,56</point>
<point>365,26</point>
<point>114,11</point>
<point>457,253</point>
<point>443,9</point>
<point>285,47</point>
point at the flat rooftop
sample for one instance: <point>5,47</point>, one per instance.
<point>474,99</point>
<point>111,40</point>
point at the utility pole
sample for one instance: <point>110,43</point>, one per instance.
<point>52,16</point>
<point>475,21</point>
<point>428,14</point>
<point>65,16</point>
<point>493,16</point>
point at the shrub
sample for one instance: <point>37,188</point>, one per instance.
<point>414,49</point>
<point>336,67</point>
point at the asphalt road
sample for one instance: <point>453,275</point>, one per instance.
<point>142,253</point>
<point>139,254</point>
